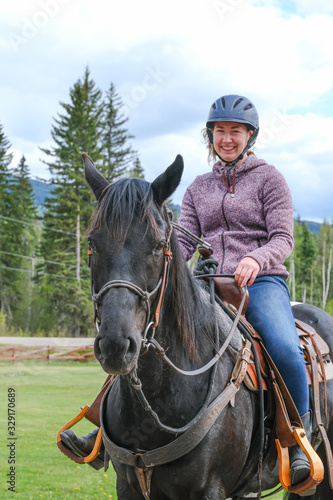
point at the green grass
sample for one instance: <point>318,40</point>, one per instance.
<point>48,396</point>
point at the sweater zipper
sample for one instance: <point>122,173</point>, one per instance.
<point>227,224</point>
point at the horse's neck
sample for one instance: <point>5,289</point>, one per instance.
<point>161,381</point>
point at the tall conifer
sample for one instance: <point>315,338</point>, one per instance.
<point>24,243</point>
<point>77,129</point>
<point>5,224</point>
<point>118,155</point>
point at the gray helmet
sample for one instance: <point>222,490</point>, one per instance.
<point>234,108</point>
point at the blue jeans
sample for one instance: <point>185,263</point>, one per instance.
<point>270,313</point>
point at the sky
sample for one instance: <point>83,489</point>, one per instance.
<point>169,61</point>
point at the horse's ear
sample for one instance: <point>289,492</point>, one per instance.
<point>165,184</point>
<point>94,178</point>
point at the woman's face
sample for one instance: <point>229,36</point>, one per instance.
<point>230,139</point>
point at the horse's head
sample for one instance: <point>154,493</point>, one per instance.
<point>128,238</point>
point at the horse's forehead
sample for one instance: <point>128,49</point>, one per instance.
<point>138,229</point>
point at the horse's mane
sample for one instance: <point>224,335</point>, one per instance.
<point>129,199</point>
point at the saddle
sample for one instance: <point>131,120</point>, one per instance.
<point>288,425</point>
<point>287,422</point>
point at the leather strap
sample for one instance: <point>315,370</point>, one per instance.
<point>287,416</point>
<point>92,413</point>
<point>312,359</point>
<point>320,344</point>
<point>144,479</point>
<point>177,448</point>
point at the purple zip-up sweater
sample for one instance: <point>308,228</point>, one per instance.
<point>257,222</point>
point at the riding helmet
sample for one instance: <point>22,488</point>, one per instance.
<point>234,108</point>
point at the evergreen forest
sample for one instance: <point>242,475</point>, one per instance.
<point>44,276</point>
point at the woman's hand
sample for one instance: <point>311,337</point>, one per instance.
<point>247,271</point>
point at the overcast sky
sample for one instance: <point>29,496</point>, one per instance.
<point>169,61</point>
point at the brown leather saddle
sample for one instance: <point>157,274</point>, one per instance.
<point>288,425</point>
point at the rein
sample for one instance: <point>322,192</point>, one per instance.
<point>161,352</point>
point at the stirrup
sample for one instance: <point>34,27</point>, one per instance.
<point>316,466</point>
<point>70,454</point>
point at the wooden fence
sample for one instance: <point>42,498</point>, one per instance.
<point>16,352</point>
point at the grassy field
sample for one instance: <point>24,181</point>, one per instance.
<point>47,396</point>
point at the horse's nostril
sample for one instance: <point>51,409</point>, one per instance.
<point>97,349</point>
<point>132,349</point>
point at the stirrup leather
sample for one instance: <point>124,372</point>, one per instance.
<point>317,469</point>
<point>97,446</point>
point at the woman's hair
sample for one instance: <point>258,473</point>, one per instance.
<point>212,157</point>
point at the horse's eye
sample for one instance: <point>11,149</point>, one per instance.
<point>159,247</point>
<point>91,244</point>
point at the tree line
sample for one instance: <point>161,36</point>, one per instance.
<point>44,276</point>
<point>310,266</point>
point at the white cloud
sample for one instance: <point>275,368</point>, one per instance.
<point>169,61</point>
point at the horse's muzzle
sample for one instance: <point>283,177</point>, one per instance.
<point>118,355</point>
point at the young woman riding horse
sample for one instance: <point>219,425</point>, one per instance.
<point>243,208</point>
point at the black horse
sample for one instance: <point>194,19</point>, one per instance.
<point>145,295</point>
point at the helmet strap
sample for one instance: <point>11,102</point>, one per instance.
<point>236,160</point>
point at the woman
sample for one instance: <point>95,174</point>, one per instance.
<point>243,208</point>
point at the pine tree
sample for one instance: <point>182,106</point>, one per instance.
<point>5,161</point>
<point>118,155</point>
<point>305,255</point>
<point>302,264</point>
<point>325,257</point>
<point>5,224</point>
<point>24,243</point>
<point>78,129</point>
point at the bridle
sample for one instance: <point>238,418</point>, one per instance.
<point>153,321</point>
<point>146,297</point>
